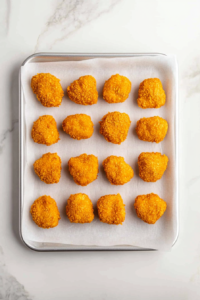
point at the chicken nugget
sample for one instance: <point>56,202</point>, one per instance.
<point>152,166</point>
<point>149,208</point>
<point>83,168</point>
<point>44,131</point>
<point>48,89</point>
<point>117,170</point>
<point>152,129</point>
<point>114,127</point>
<point>78,126</point>
<point>45,212</point>
<point>83,91</point>
<point>151,94</point>
<point>111,209</point>
<point>48,168</point>
<point>116,89</point>
<point>79,209</point>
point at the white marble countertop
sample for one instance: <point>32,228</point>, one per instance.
<point>101,26</point>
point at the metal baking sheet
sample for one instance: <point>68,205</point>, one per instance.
<point>57,57</point>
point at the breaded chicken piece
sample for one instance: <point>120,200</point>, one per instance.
<point>44,131</point>
<point>48,168</point>
<point>78,126</point>
<point>149,208</point>
<point>48,89</point>
<point>83,168</point>
<point>116,89</point>
<point>152,129</point>
<point>152,166</point>
<point>111,209</point>
<point>117,170</point>
<point>45,212</point>
<point>151,94</point>
<point>114,127</point>
<point>83,91</point>
<point>79,209</point>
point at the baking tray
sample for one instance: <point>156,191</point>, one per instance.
<point>57,57</point>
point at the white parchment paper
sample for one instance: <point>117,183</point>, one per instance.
<point>133,231</point>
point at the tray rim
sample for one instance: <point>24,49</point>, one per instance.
<point>21,148</point>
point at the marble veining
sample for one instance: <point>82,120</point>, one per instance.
<point>10,288</point>
<point>195,278</point>
<point>191,78</point>
<point>8,15</point>
<point>4,134</point>
<point>70,16</point>
<point>194,180</point>
<point>5,17</point>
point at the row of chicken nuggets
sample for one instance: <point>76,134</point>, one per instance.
<point>83,91</point>
<point>114,127</point>
<point>84,168</point>
<point>111,209</point>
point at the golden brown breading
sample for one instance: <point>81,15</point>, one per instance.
<point>117,170</point>
<point>149,208</point>
<point>116,89</point>
<point>83,168</point>
<point>111,209</point>
<point>79,209</point>
<point>78,126</point>
<point>151,94</point>
<point>44,131</point>
<point>48,89</point>
<point>114,127</point>
<point>45,212</point>
<point>83,91</point>
<point>48,168</point>
<point>152,166</point>
<point>152,129</point>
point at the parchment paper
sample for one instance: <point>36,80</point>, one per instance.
<point>133,231</point>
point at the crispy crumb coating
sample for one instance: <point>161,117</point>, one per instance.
<point>83,91</point>
<point>83,168</point>
<point>114,127</point>
<point>151,94</point>
<point>111,209</point>
<point>79,209</point>
<point>117,170</point>
<point>48,89</point>
<point>116,89</point>
<point>78,126</point>
<point>48,168</point>
<point>149,208</point>
<point>44,131</point>
<point>45,212</point>
<point>152,166</point>
<point>152,129</point>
